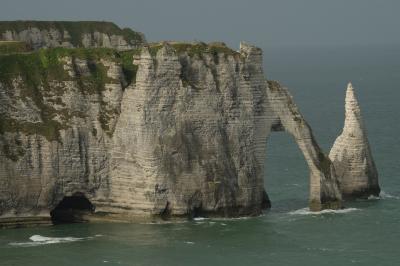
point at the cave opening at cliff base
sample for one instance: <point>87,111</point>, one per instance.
<point>72,209</point>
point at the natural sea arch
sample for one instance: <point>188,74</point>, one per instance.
<point>324,192</point>
<point>286,176</point>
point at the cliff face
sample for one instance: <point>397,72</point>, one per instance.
<point>88,34</point>
<point>184,135</point>
<point>187,137</point>
<point>351,154</point>
<point>57,112</point>
<point>167,130</point>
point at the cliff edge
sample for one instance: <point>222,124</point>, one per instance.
<point>71,34</point>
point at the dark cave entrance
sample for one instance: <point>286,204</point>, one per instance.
<point>72,209</point>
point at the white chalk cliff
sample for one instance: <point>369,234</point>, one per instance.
<point>351,154</point>
<point>87,34</point>
<point>166,130</point>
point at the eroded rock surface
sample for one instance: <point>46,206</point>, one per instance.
<point>169,130</point>
<point>351,154</point>
<point>185,138</point>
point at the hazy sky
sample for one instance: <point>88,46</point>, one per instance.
<point>265,23</point>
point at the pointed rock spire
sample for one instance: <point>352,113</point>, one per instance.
<point>351,154</point>
<point>353,122</point>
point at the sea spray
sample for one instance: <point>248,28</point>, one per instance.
<point>38,240</point>
<point>306,211</point>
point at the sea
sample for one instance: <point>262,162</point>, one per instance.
<point>366,232</point>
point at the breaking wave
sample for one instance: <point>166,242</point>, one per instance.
<point>200,218</point>
<point>306,211</point>
<point>38,240</point>
<point>384,195</point>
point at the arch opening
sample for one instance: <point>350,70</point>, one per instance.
<point>72,209</point>
<point>286,175</point>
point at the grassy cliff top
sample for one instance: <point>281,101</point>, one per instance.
<point>46,64</point>
<point>39,69</point>
<point>74,28</point>
<point>8,47</point>
<point>35,66</point>
<point>194,48</point>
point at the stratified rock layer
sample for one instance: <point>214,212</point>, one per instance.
<point>47,34</point>
<point>324,191</point>
<point>181,131</point>
<point>180,140</point>
<point>186,138</point>
<point>351,154</point>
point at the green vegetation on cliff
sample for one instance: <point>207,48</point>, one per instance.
<point>40,70</point>
<point>46,65</point>
<point>196,48</point>
<point>202,48</point>
<point>9,47</point>
<point>75,29</point>
<point>41,78</point>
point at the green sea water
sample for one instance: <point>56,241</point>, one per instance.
<point>365,233</point>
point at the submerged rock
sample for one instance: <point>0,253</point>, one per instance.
<point>351,154</point>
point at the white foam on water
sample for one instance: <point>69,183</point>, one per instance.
<point>372,197</point>
<point>325,249</point>
<point>236,218</point>
<point>384,195</point>
<point>38,240</point>
<point>189,242</point>
<point>165,222</point>
<point>200,218</point>
<point>306,211</point>
<point>44,239</point>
